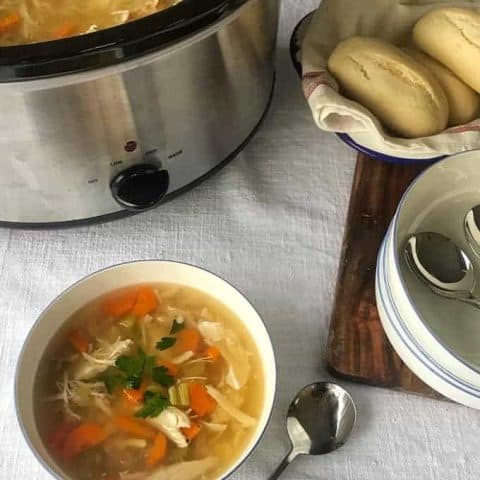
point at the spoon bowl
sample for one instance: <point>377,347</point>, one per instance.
<point>472,228</point>
<point>443,266</point>
<point>319,421</point>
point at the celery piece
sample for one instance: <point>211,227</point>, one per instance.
<point>173,395</point>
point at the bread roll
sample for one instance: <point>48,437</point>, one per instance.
<point>463,102</point>
<point>402,93</point>
<point>452,36</point>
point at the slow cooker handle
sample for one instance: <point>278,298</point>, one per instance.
<point>140,187</point>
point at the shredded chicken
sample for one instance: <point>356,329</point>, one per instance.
<point>232,350</point>
<point>244,419</point>
<point>193,470</point>
<point>183,358</point>
<point>131,443</point>
<point>170,421</point>
<point>78,393</point>
<point>215,427</point>
<point>120,16</point>
<point>96,362</point>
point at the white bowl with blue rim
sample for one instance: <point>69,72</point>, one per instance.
<point>436,337</point>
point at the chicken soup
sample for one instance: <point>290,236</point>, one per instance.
<point>30,21</point>
<point>150,382</point>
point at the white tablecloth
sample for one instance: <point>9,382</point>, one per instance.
<point>271,222</point>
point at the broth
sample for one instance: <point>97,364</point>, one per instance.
<point>30,21</point>
<point>149,382</point>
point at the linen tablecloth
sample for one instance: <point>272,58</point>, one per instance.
<point>271,223</point>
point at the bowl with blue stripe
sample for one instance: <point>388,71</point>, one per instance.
<point>436,337</point>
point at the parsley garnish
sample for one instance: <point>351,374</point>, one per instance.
<point>154,404</point>
<point>177,327</point>
<point>166,342</point>
<point>161,376</point>
<point>132,370</point>
<point>113,381</point>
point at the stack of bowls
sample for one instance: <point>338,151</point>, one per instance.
<point>438,338</point>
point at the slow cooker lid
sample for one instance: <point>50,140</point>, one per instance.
<point>112,45</point>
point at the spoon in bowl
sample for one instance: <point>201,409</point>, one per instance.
<point>472,228</point>
<point>442,265</point>
<point>319,420</point>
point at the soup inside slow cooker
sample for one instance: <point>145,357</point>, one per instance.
<point>31,21</point>
<point>151,382</point>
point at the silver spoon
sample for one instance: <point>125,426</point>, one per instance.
<point>442,265</point>
<point>472,228</point>
<point>319,420</point>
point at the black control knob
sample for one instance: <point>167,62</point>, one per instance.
<point>140,187</point>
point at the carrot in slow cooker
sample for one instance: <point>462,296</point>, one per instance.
<point>134,427</point>
<point>146,301</point>
<point>65,30</point>
<point>81,438</point>
<point>157,451</point>
<point>79,340</point>
<point>10,22</point>
<point>200,401</point>
<point>188,340</point>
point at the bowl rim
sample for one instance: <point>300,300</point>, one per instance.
<point>350,140</point>
<point>395,247</point>
<point>268,407</point>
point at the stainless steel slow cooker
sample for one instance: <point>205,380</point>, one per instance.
<point>115,121</point>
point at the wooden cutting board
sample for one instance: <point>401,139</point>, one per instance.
<point>358,350</point>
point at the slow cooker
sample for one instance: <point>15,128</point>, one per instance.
<point>116,121</point>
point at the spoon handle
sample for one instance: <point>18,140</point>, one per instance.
<point>285,462</point>
<point>471,300</point>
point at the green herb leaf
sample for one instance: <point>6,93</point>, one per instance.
<point>177,327</point>
<point>133,382</point>
<point>133,367</point>
<point>114,381</point>
<point>161,376</point>
<point>153,405</point>
<point>166,342</point>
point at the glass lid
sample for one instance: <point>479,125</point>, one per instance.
<point>110,46</point>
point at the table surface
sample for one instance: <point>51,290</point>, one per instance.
<point>271,222</point>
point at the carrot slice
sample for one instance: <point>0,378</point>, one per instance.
<point>134,427</point>
<point>192,431</point>
<point>146,301</point>
<point>120,304</point>
<point>213,353</point>
<point>65,30</point>
<point>134,396</point>
<point>83,437</point>
<point>79,340</point>
<point>200,400</point>
<point>188,340</point>
<point>171,367</point>
<point>157,451</point>
<point>10,22</point>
